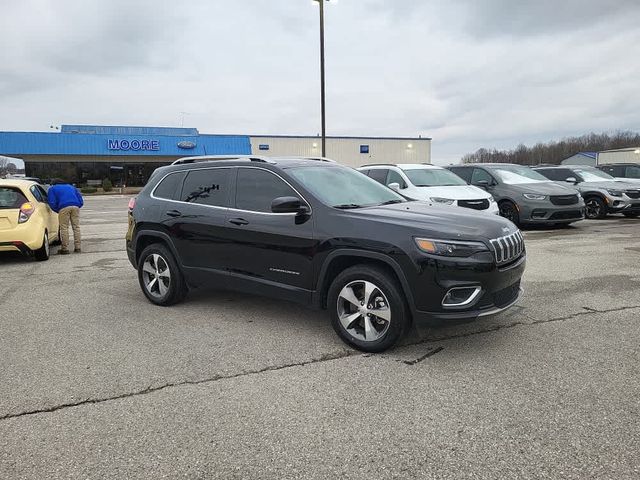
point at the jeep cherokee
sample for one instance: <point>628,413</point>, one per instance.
<point>321,234</point>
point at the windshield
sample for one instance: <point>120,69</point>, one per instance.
<point>594,175</point>
<point>433,177</point>
<point>513,175</point>
<point>344,187</point>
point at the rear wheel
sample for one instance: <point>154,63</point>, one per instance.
<point>631,214</point>
<point>509,211</point>
<point>594,208</point>
<point>368,309</point>
<point>42,253</point>
<point>160,277</point>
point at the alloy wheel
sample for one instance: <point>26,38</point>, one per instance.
<point>364,311</point>
<point>156,275</point>
<point>593,209</point>
<point>508,212</point>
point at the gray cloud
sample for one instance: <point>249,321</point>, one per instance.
<point>467,73</point>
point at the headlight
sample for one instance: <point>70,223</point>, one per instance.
<point>615,193</point>
<point>534,196</point>
<point>450,248</point>
<point>492,200</point>
<point>445,201</point>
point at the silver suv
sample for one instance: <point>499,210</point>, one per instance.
<point>602,193</point>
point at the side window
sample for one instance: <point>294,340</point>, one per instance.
<point>463,173</point>
<point>36,193</point>
<point>632,172</point>
<point>169,187</point>
<point>553,174</point>
<point>379,174</point>
<point>366,172</point>
<point>207,187</point>
<point>608,170</point>
<point>395,177</point>
<point>480,175</point>
<point>256,189</point>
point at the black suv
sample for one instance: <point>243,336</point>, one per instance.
<point>322,234</point>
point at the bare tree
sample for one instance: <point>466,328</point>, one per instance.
<point>556,151</point>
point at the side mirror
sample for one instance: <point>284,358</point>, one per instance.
<point>482,184</point>
<point>573,180</point>
<point>288,205</point>
<point>395,186</point>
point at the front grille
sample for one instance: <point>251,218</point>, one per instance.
<point>507,295</point>
<point>508,248</point>
<point>566,215</point>
<point>633,193</point>
<point>564,199</point>
<point>481,204</point>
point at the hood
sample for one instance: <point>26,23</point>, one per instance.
<point>455,192</point>
<point>446,223</point>
<point>609,185</point>
<point>546,188</point>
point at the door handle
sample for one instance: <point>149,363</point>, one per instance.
<point>238,221</point>
<point>174,213</point>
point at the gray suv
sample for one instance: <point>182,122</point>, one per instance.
<point>602,193</point>
<point>523,195</point>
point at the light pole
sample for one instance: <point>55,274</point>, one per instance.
<point>322,94</point>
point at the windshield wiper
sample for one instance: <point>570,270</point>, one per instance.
<point>391,202</point>
<point>346,206</point>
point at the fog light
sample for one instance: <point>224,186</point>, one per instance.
<point>460,296</point>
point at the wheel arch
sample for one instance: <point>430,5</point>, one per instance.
<point>144,238</point>
<point>340,260</point>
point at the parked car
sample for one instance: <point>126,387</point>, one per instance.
<point>625,172</point>
<point>602,193</point>
<point>27,223</point>
<point>431,184</point>
<point>524,196</point>
<point>324,235</point>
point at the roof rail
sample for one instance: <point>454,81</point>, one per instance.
<point>378,165</point>
<point>302,157</point>
<point>215,158</point>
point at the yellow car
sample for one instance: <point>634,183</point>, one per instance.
<point>27,223</point>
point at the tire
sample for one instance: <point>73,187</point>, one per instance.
<point>509,211</point>
<point>594,208</point>
<point>354,321</point>
<point>631,214</point>
<point>42,254</point>
<point>160,277</point>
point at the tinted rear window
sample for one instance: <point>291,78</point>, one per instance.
<point>168,187</point>
<point>11,197</point>
<point>463,173</point>
<point>207,187</point>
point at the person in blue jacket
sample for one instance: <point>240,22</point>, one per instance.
<point>66,201</point>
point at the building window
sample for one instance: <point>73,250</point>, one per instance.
<point>263,146</point>
<point>364,148</point>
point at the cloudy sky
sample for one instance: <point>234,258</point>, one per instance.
<point>467,73</point>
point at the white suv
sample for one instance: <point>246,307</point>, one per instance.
<point>431,184</point>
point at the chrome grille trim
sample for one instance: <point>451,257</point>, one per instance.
<point>508,248</point>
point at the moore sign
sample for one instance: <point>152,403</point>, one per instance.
<point>118,144</point>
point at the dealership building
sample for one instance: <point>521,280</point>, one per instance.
<point>128,155</point>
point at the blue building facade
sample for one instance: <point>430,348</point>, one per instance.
<point>126,155</point>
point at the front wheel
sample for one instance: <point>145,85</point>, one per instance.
<point>368,309</point>
<point>594,208</point>
<point>160,277</point>
<point>509,211</point>
<point>42,253</point>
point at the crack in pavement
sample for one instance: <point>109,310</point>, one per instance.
<point>323,358</point>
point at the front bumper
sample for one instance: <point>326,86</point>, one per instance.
<point>617,205</point>
<point>547,213</point>
<point>500,286</point>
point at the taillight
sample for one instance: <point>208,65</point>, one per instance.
<point>132,203</point>
<point>26,210</point>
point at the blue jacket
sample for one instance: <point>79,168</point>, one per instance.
<point>64,195</point>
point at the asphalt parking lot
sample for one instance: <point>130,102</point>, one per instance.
<point>98,383</point>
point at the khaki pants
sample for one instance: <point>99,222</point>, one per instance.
<point>64,216</point>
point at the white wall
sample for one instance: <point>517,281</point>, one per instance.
<point>346,150</point>
<point>627,155</point>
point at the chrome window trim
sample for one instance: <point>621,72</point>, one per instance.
<point>152,195</point>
